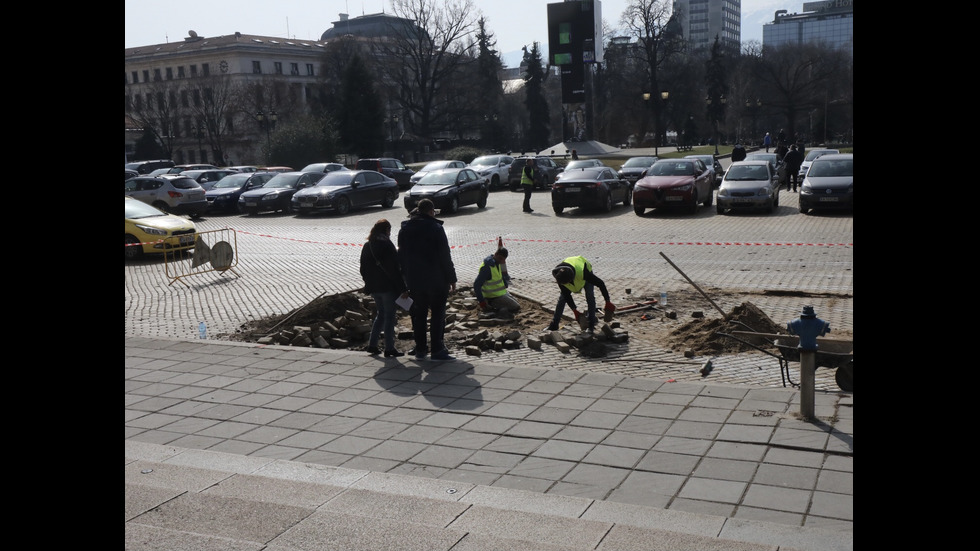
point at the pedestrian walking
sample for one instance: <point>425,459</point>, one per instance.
<point>574,155</point>
<point>738,153</point>
<point>527,182</point>
<point>491,283</point>
<point>573,275</point>
<point>793,160</point>
<point>767,141</point>
<point>383,280</point>
<point>426,262</point>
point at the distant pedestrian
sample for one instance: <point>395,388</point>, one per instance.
<point>793,160</point>
<point>767,141</point>
<point>424,255</point>
<point>738,153</point>
<point>383,280</point>
<point>781,137</point>
<point>527,182</point>
<point>574,155</point>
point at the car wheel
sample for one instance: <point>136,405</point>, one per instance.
<point>559,210</point>
<point>481,203</point>
<point>719,210</point>
<point>710,199</point>
<point>252,211</point>
<point>771,208</point>
<point>389,200</point>
<point>452,207</point>
<point>693,209</point>
<point>134,251</point>
<point>775,201</point>
<point>629,197</point>
<point>343,205</point>
<point>638,210</point>
<point>162,206</point>
<point>607,204</point>
<point>494,182</point>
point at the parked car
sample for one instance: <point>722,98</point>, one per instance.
<point>597,187</point>
<point>748,185</point>
<point>277,193</point>
<point>149,230</point>
<point>674,183</point>
<point>207,178</point>
<point>146,167</point>
<point>449,189</point>
<point>811,156</point>
<point>223,196</point>
<point>177,169</point>
<point>392,168</point>
<point>171,193</point>
<point>493,167</point>
<point>583,163</point>
<point>635,168</point>
<point>545,169</point>
<point>433,166</point>
<point>343,190</point>
<point>131,173</point>
<point>277,169</point>
<point>773,159</point>
<point>243,168</point>
<point>713,165</point>
<point>159,171</point>
<point>323,167</point>
<point>829,184</point>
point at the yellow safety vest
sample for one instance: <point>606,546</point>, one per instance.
<point>579,263</point>
<point>493,287</point>
<point>525,181</point>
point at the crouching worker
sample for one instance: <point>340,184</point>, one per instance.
<point>490,286</point>
<point>573,275</point>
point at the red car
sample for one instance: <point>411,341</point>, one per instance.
<point>674,183</point>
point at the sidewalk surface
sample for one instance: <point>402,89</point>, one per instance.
<point>242,446</point>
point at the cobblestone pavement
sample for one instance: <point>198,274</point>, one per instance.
<point>282,261</point>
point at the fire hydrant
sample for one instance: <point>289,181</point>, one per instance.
<point>808,328</point>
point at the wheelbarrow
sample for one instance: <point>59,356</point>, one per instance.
<point>835,354</point>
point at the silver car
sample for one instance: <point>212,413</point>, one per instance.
<point>171,193</point>
<point>433,166</point>
<point>493,167</point>
<point>748,185</point>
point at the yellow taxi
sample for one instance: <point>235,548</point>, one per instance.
<point>149,230</point>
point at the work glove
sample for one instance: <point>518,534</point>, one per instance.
<point>583,321</point>
<point>577,314</point>
<point>483,305</point>
<point>610,308</point>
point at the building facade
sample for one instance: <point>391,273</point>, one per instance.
<point>830,22</point>
<point>703,20</point>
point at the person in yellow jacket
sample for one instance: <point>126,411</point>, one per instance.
<point>490,286</point>
<point>573,275</point>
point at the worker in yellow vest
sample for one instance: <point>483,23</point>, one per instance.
<point>490,286</point>
<point>573,275</point>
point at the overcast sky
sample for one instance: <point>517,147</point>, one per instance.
<point>514,23</point>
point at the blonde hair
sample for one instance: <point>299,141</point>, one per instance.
<point>381,227</point>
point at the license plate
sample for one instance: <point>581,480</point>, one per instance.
<point>741,200</point>
<point>828,199</point>
<point>186,239</point>
<point>674,198</point>
<point>572,190</point>
<point>250,203</point>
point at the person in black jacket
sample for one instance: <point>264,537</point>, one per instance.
<point>383,280</point>
<point>738,153</point>
<point>793,160</point>
<point>423,251</point>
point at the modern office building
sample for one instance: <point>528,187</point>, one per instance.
<point>829,21</point>
<point>702,20</point>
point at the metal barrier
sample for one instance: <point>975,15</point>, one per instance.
<point>214,251</point>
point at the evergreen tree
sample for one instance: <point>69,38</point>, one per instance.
<point>537,105</point>
<point>361,117</point>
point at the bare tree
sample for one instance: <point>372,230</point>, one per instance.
<point>155,107</point>
<point>422,60</point>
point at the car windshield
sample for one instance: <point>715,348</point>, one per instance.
<point>232,181</point>
<point>336,178</point>
<point>435,166</point>
<point>184,183</point>
<point>485,161</point>
<point>439,178</point>
<point>818,153</point>
<point>831,168</point>
<point>282,181</point>
<point>138,209</point>
<point>761,157</point>
<point>747,172</point>
<point>639,162</point>
<point>671,168</point>
<point>585,173</point>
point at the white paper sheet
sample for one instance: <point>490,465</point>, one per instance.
<point>405,303</point>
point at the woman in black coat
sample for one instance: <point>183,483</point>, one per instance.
<point>383,280</point>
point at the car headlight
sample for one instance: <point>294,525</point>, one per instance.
<point>762,192</point>
<point>723,192</point>
<point>685,187</point>
<point>442,193</point>
<point>151,230</point>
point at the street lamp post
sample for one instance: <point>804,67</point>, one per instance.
<point>753,110</point>
<point>199,132</point>
<point>493,128</point>
<point>267,124</point>
<point>664,96</point>
<point>721,106</point>
<point>392,126</point>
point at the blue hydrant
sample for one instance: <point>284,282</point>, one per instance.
<point>808,328</point>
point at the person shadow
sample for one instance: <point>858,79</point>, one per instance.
<point>446,385</point>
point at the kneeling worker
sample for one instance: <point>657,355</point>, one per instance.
<point>490,286</point>
<point>572,275</point>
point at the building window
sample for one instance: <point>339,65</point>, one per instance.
<point>180,71</point>
<point>170,73</point>
<point>136,77</point>
<point>205,69</point>
<point>309,69</point>
<point>278,67</point>
<point>294,69</point>
<point>146,75</point>
<point>230,123</point>
<point>193,70</point>
<point>139,101</point>
<point>184,101</point>
<point>257,67</point>
<point>156,75</point>
<point>129,103</point>
<point>197,98</point>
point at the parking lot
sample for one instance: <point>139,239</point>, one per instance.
<point>780,262</point>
